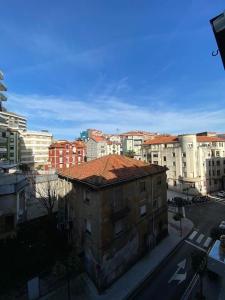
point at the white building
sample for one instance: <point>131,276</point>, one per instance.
<point>196,163</point>
<point>34,147</point>
<point>13,120</point>
<point>113,148</point>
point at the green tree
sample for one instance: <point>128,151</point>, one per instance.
<point>130,153</point>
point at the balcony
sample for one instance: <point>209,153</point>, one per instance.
<point>2,87</point>
<point>2,97</point>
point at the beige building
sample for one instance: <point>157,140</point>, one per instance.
<point>132,142</point>
<point>196,163</point>
<point>34,148</point>
<point>117,207</point>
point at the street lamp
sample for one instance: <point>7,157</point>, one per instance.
<point>218,27</point>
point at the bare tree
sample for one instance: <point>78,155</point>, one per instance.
<point>44,188</point>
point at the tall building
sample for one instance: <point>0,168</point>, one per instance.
<point>14,121</point>
<point>196,163</point>
<point>117,207</point>
<point>34,147</point>
<point>3,123</point>
<point>65,154</point>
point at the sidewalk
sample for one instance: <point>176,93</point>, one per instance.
<point>136,275</point>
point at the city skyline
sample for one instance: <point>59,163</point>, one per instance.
<point>113,66</point>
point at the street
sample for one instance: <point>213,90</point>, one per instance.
<point>177,273</point>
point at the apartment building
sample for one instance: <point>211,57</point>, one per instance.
<point>196,163</point>
<point>3,123</point>
<point>132,142</point>
<point>13,146</point>
<point>14,121</point>
<point>118,210</point>
<point>113,148</point>
<point>96,147</point>
<point>4,135</point>
<point>65,154</point>
<point>34,148</point>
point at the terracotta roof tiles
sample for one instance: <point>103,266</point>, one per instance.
<point>110,169</point>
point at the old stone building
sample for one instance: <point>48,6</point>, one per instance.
<point>118,210</point>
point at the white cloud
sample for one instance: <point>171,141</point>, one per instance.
<point>67,117</point>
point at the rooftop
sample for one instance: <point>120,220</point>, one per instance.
<point>98,139</point>
<point>110,169</point>
<point>174,139</point>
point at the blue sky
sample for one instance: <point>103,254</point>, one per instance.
<point>122,64</point>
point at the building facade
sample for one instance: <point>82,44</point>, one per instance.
<point>132,142</point>
<point>96,147</point>
<point>14,121</point>
<point>118,210</point>
<point>65,154</point>
<point>196,163</point>
<point>34,148</point>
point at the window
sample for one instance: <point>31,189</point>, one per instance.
<point>142,186</point>
<point>118,227</point>
<point>215,181</point>
<point>184,164</point>
<point>209,173</point>
<point>183,154</point>
<point>209,163</point>
<point>88,226</point>
<point>164,158</point>
<point>217,153</point>
<point>213,163</point>
<point>218,172</point>
<point>224,162</point>
<point>173,154</point>
<point>155,162</point>
<point>143,210</point>
<point>174,183</point>
<point>155,155</point>
<point>174,163</point>
<point>218,163</point>
<point>87,197</point>
<point>213,173</point>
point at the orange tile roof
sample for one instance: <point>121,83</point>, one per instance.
<point>110,169</point>
<point>202,139</point>
<point>98,139</point>
<point>174,139</point>
<point>162,140</point>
